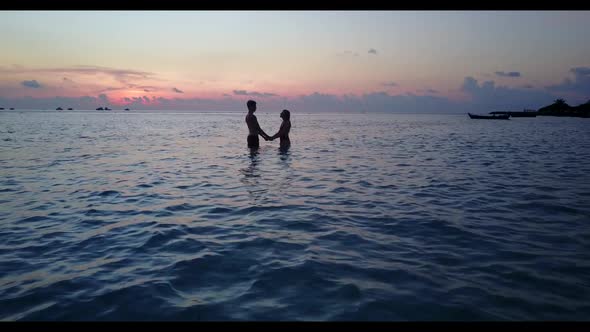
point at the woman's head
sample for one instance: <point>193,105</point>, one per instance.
<point>286,115</point>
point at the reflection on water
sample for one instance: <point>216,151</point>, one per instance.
<point>286,174</point>
<point>254,156</point>
<point>271,184</point>
<point>284,150</point>
<point>285,157</point>
<point>251,178</point>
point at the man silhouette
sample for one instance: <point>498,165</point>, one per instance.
<point>253,127</point>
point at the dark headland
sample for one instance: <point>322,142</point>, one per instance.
<point>558,108</point>
<point>561,108</point>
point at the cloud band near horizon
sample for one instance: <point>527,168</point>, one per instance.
<point>481,95</point>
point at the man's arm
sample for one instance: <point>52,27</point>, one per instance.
<point>261,132</point>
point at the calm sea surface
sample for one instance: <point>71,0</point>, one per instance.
<point>151,216</point>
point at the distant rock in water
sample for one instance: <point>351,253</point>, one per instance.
<point>561,108</point>
<point>126,109</point>
<point>100,109</point>
<point>1,108</point>
<point>12,108</point>
<point>107,109</point>
<point>70,109</point>
<point>59,109</point>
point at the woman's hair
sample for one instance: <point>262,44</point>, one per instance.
<point>287,114</point>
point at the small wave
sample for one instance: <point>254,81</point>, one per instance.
<point>95,212</point>
<point>184,187</point>
<point>34,219</point>
<point>109,193</point>
<point>342,190</point>
<point>161,238</point>
<point>183,207</point>
<point>219,210</point>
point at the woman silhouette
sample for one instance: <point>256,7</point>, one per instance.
<point>283,132</point>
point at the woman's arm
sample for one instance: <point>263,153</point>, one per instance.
<point>280,133</point>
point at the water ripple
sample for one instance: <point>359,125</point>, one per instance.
<point>367,217</point>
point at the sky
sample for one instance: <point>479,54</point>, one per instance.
<point>312,61</point>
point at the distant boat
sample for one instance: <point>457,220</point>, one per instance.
<point>523,114</point>
<point>490,117</point>
<point>126,109</point>
<point>100,109</point>
<point>70,109</point>
<point>59,109</point>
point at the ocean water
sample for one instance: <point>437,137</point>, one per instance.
<point>151,216</point>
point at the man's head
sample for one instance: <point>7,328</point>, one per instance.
<point>251,105</point>
<point>286,115</point>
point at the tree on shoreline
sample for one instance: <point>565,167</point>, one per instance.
<point>561,108</point>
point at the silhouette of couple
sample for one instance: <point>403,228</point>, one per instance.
<point>255,130</point>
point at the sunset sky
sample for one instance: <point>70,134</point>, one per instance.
<point>398,61</point>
